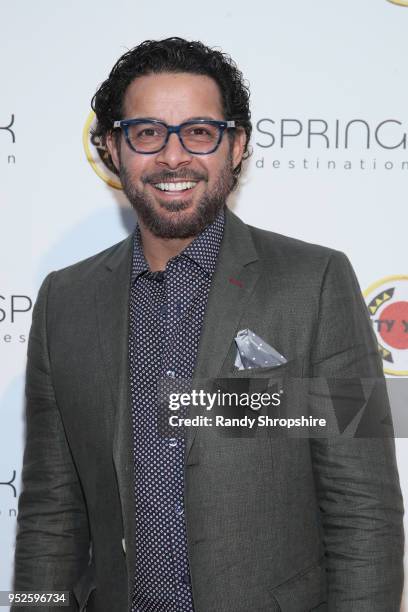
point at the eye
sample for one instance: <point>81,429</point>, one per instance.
<point>146,132</point>
<point>199,131</point>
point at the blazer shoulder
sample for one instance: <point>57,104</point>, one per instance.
<point>276,248</point>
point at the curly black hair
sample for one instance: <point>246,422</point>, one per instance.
<point>173,55</point>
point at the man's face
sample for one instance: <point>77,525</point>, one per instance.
<point>175,98</point>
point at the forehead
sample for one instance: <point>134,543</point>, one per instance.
<point>173,97</point>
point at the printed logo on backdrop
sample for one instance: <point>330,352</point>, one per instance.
<point>8,495</point>
<point>387,302</point>
<point>315,144</point>
<point>15,318</point>
<point>7,140</point>
<point>97,154</point>
<point>399,2</point>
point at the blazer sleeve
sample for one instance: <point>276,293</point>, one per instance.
<point>52,542</point>
<point>361,508</point>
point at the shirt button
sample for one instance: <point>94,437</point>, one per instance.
<point>186,579</point>
<point>163,309</point>
<point>171,373</point>
<point>173,442</point>
<point>179,509</point>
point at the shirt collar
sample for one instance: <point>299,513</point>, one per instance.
<point>203,250</point>
<point>139,264</point>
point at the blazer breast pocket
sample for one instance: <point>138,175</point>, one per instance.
<point>285,380</point>
<point>273,372</point>
<point>251,392</point>
<point>269,379</point>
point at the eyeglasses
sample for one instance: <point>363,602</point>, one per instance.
<point>148,136</point>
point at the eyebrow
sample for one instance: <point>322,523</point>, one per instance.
<point>207,117</point>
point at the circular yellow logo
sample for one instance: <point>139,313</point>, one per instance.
<point>97,155</point>
<point>399,2</point>
<point>387,303</point>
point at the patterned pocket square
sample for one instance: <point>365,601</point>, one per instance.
<point>253,352</point>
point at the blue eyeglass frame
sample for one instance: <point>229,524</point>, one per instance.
<point>124,124</point>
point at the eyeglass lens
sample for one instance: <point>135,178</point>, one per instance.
<point>150,137</point>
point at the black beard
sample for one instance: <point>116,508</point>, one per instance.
<point>206,212</point>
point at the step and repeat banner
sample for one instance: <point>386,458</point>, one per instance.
<point>329,159</point>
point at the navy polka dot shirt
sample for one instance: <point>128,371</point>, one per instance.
<point>166,316</point>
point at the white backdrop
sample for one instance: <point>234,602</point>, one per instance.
<point>316,66</point>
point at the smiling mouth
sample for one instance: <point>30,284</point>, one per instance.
<point>179,187</point>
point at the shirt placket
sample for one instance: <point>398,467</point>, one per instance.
<point>177,290</point>
<point>151,508</point>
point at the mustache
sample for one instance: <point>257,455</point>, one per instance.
<point>183,175</point>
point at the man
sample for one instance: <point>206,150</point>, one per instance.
<point>127,518</point>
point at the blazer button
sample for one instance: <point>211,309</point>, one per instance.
<point>124,545</point>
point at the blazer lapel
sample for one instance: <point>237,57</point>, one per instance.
<point>112,307</point>
<point>234,280</point>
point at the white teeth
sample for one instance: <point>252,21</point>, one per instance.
<point>175,186</point>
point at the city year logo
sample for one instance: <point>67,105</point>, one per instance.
<point>97,154</point>
<point>387,302</point>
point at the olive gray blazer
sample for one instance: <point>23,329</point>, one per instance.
<point>273,523</point>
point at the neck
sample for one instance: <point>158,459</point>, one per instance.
<point>158,251</point>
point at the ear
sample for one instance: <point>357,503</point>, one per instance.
<point>111,143</point>
<point>238,146</point>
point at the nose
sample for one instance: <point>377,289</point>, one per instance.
<point>174,154</point>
